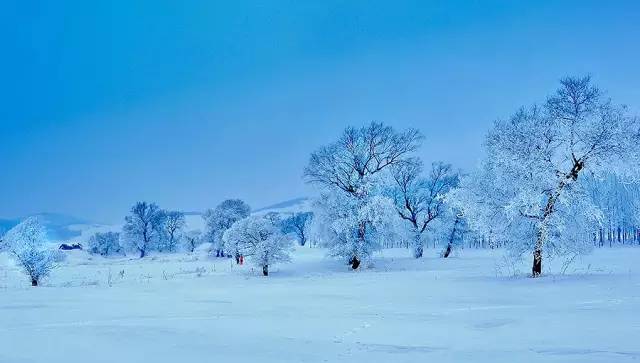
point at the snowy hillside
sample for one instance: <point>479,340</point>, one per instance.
<point>191,308</point>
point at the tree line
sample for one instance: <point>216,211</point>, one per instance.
<point>556,179</point>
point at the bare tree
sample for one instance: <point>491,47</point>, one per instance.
<point>172,226</point>
<point>142,226</point>
<point>420,200</point>
<point>192,239</point>
<point>350,163</point>
<point>297,224</point>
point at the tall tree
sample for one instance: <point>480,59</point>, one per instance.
<point>530,185</point>
<point>352,165</point>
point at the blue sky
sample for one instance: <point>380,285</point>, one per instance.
<point>188,103</point>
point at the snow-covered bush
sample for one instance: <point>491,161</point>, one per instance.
<point>192,239</point>
<point>26,242</point>
<point>58,256</point>
<point>220,219</point>
<point>259,239</point>
<point>105,244</point>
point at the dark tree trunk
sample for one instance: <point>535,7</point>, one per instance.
<point>536,270</point>
<point>418,251</point>
<point>355,263</point>
<point>34,282</point>
<point>265,270</point>
<point>447,252</point>
<point>142,253</point>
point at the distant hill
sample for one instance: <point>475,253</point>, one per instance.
<point>59,227</point>
<point>302,204</point>
<point>62,227</point>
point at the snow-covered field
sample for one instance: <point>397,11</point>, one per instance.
<point>190,308</point>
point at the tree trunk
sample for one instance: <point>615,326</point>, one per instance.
<point>536,270</point>
<point>142,253</point>
<point>355,263</point>
<point>418,246</point>
<point>265,270</point>
<point>447,252</point>
<point>34,282</point>
<point>418,250</point>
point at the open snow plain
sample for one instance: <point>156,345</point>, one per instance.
<point>191,308</point>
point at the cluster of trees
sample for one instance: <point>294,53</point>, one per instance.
<point>264,239</point>
<point>556,178</point>
<point>373,189</point>
<point>147,228</point>
<point>619,201</point>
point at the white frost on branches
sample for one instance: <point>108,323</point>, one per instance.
<point>26,242</point>
<point>351,226</point>
<point>529,190</point>
<point>259,239</point>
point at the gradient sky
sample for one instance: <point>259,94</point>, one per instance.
<point>188,103</point>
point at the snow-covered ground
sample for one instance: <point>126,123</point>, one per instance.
<point>191,308</point>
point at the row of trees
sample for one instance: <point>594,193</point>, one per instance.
<point>555,177</point>
<point>230,230</point>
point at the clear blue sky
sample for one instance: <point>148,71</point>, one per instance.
<point>188,103</point>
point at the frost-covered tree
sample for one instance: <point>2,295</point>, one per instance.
<point>221,218</point>
<point>420,200</point>
<point>143,227</point>
<point>105,244</point>
<point>259,239</point>
<point>353,228</point>
<point>529,190</point>
<point>172,229</point>
<point>297,224</point>
<point>351,170</point>
<point>192,239</point>
<point>26,242</point>
<point>275,218</point>
<point>619,201</point>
